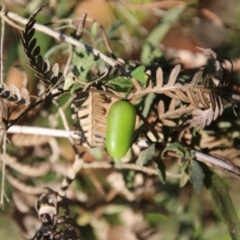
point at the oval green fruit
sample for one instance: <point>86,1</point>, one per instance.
<point>120,128</point>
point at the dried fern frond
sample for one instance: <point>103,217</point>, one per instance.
<point>14,95</point>
<point>172,112</point>
<point>202,118</point>
<point>5,111</point>
<point>90,115</point>
<point>25,140</point>
<point>22,187</point>
<point>35,60</point>
<point>30,171</point>
<point>196,95</point>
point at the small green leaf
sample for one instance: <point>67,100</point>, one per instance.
<point>83,61</point>
<point>145,156</point>
<point>68,82</point>
<point>85,67</point>
<point>84,219</point>
<point>184,175</point>
<point>96,153</point>
<point>197,176</point>
<point>113,219</point>
<point>140,75</point>
<point>114,208</point>
<point>119,83</point>
<point>184,178</point>
<point>75,87</point>
<point>179,149</point>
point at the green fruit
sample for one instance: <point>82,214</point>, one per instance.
<point>120,128</point>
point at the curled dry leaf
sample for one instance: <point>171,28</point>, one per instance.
<point>90,115</point>
<point>202,118</point>
<point>173,113</point>
<point>196,94</point>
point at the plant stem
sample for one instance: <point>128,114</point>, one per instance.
<point>224,203</point>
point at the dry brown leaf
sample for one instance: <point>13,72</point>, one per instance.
<point>90,115</point>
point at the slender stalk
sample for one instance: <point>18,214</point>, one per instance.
<point>225,206</point>
<point>202,157</point>
<point>1,50</point>
<point>2,130</point>
<point>42,131</point>
<point>62,37</point>
<point>107,165</point>
<point>3,171</point>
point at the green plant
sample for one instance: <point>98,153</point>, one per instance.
<point>185,129</point>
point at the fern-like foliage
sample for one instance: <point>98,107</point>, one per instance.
<point>27,170</point>
<point>6,96</point>
<point>4,117</point>
<point>41,66</point>
<point>193,93</point>
<point>13,94</point>
<point>166,117</point>
<point>25,140</point>
<point>198,96</point>
<point>202,118</point>
<point>90,115</point>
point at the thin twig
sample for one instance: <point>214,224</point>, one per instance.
<point>42,131</point>
<point>81,25</point>
<point>69,60</point>
<point>105,73</point>
<point>145,169</point>
<point>3,169</point>
<point>10,22</point>
<point>56,101</point>
<point>1,50</point>
<point>216,161</point>
<point>105,39</point>
<point>31,106</point>
<point>62,37</point>
<point>202,157</point>
<point>65,105</point>
<point>64,120</point>
<point>129,166</point>
<point>2,115</point>
<point>66,134</point>
<point>71,174</point>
